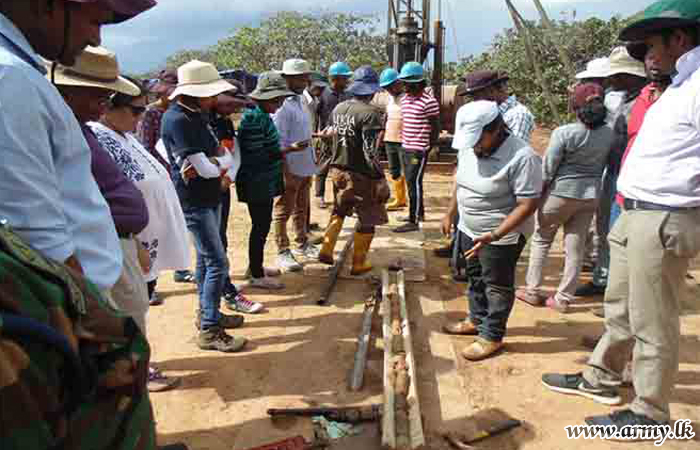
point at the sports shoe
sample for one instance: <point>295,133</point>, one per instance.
<point>577,385</point>
<point>242,305</point>
<point>307,251</point>
<point>215,338</point>
<point>406,228</point>
<point>225,321</point>
<point>628,420</point>
<point>183,276</point>
<point>558,305</point>
<point>421,218</point>
<point>287,263</point>
<point>267,271</point>
<point>157,382</point>
<point>266,283</point>
<point>589,290</point>
<point>155,299</point>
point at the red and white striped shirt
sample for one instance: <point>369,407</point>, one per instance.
<point>416,113</point>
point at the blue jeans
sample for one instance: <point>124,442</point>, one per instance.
<point>491,289</point>
<point>212,264</point>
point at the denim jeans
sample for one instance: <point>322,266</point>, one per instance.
<point>229,287</point>
<point>212,264</point>
<point>395,159</point>
<point>491,289</point>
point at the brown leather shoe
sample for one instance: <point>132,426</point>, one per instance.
<point>463,328</point>
<point>481,349</point>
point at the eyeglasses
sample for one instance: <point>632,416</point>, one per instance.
<point>137,110</point>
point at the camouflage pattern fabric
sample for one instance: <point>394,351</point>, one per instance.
<point>36,380</point>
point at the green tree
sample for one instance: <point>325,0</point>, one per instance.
<point>581,40</point>
<point>183,56</point>
<point>320,39</point>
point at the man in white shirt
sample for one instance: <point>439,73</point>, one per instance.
<point>656,235</point>
<point>294,124</point>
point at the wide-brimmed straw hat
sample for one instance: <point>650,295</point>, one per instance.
<point>95,67</point>
<point>271,85</point>
<point>199,79</point>
<point>621,62</point>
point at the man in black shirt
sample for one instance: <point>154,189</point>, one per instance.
<point>339,74</point>
<point>359,185</point>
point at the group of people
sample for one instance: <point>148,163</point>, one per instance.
<point>108,185</point>
<point>631,160</point>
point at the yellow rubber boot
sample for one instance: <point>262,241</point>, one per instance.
<point>399,200</point>
<point>360,262</point>
<point>335,225</point>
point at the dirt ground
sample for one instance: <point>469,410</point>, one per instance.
<point>300,355</point>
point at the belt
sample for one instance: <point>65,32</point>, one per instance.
<point>631,205</point>
<point>126,235</point>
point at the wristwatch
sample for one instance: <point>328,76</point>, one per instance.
<point>495,235</point>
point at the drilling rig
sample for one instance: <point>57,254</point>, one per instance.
<point>410,37</point>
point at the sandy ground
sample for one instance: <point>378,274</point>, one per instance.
<point>301,354</point>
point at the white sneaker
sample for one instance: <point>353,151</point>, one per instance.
<point>266,283</point>
<point>287,263</point>
<point>308,251</point>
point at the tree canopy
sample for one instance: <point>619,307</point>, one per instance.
<point>581,40</point>
<point>321,39</point>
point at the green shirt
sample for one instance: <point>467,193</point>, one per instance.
<point>260,177</point>
<point>357,126</point>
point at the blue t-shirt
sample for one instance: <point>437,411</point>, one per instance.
<point>186,133</point>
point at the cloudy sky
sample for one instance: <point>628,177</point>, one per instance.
<point>144,43</point>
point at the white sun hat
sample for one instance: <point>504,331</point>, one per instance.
<point>622,62</point>
<point>474,117</point>
<point>597,68</point>
<point>296,67</point>
<point>94,67</point>
<point>199,79</point>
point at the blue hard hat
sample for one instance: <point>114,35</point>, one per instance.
<point>412,72</point>
<point>388,77</point>
<point>365,82</point>
<point>339,69</point>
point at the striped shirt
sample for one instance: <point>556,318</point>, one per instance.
<point>416,113</point>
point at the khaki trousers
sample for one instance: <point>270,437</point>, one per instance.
<point>130,293</point>
<point>649,256</point>
<point>575,216</point>
<point>293,203</point>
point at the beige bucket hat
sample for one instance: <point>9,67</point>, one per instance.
<point>296,67</point>
<point>622,62</point>
<point>95,67</point>
<point>199,79</point>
